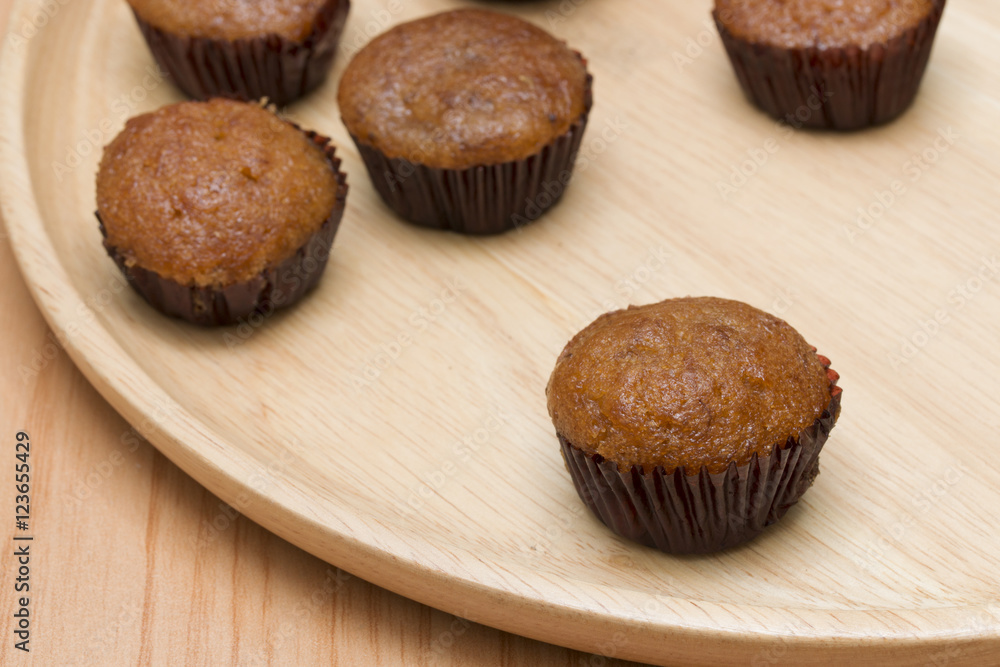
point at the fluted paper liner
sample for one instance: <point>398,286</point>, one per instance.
<point>275,287</point>
<point>844,88</point>
<point>705,512</point>
<point>483,199</point>
<point>271,66</point>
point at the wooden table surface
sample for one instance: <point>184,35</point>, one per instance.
<point>116,578</point>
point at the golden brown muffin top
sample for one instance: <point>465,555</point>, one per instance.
<point>231,19</point>
<point>820,23</point>
<point>463,88</point>
<point>212,193</point>
<point>686,382</point>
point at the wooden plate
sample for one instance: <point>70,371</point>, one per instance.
<point>394,423</point>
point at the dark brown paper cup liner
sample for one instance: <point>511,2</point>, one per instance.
<point>274,288</point>
<point>836,88</point>
<point>705,512</point>
<point>479,200</point>
<point>270,66</point>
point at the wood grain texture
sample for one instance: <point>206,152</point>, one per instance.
<point>120,577</point>
<point>394,422</point>
<point>122,580</point>
<point>135,563</point>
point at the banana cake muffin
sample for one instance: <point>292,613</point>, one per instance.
<point>692,423</point>
<point>837,64</point>
<point>467,120</point>
<point>245,49</point>
<point>215,210</point>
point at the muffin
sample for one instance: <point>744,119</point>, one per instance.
<point>217,210</point>
<point>691,424</point>
<point>244,49</point>
<point>467,120</point>
<point>836,64</point>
